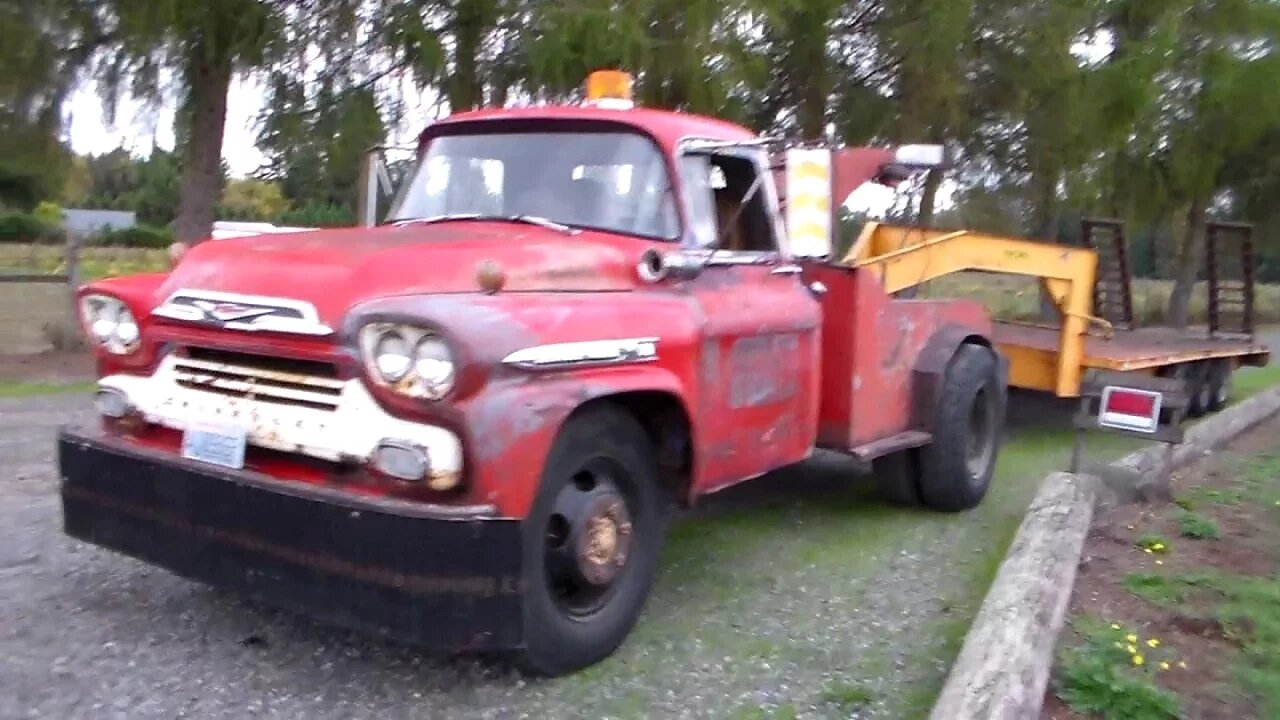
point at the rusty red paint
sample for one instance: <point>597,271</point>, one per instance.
<point>874,344</point>
<point>763,370</point>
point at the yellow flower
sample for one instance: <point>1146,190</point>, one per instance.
<point>1115,626</point>
<point>1182,665</point>
<point>1147,550</point>
<point>1158,546</point>
<point>1138,660</point>
<point>1164,666</point>
<point>1131,638</point>
<point>1132,650</point>
<point>1119,645</point>
<point>1159,562</point>
<point>1153,642</point>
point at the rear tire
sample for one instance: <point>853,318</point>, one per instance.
<point>591,542</point>
<point>956,468</point>
<point>897,478</point>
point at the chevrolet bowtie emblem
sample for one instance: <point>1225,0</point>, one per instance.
<point>229,312</point>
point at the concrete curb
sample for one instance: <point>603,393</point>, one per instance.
<point>1003,668</point>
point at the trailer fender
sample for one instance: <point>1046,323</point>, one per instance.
<point>930,371</point>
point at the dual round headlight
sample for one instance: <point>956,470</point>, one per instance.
<point>411,360</point>
<point>110,323</point>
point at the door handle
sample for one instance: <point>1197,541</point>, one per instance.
<point>787,270</point>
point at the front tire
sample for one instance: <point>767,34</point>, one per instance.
<point>591,542</point>
<point>956,468</point>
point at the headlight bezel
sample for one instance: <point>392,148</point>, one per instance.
<point>412,383</point>
<point>103,316</point>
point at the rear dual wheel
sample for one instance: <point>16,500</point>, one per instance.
<point>591,542</point>
<point>954,471</point>
<point>1208,385</point>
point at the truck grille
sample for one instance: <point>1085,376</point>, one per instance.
<point>281,381</point>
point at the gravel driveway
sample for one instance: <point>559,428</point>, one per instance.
<point>792,596</point>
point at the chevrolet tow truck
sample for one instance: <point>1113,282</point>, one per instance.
<point>466,425</point>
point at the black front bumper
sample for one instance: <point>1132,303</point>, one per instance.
<point>389,567</point>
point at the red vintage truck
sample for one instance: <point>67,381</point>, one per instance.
<point>465,427</point>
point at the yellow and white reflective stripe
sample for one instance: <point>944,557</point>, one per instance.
<point>809,202</point>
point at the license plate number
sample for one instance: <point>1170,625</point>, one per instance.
<point>215,444</point>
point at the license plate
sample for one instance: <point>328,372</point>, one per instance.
<point>216,444</point>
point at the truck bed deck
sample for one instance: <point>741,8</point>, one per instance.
<point>1033,350</point>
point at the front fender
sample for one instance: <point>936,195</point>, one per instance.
<point>510,425</point>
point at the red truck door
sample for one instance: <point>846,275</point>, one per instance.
<point>759,374</point>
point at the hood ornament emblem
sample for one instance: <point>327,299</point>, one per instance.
<point>230,312</point>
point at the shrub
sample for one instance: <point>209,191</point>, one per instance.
<point>48,213</point>
<point>318,215</point>
<point>138,236</point>
<point>25,228</point>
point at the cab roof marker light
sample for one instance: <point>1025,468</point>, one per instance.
<point>610,89</point>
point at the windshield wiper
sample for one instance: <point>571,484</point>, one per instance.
<point>530,219</point>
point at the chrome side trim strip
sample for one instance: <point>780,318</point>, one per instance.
<point>584,353</point>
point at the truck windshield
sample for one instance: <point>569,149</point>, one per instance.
<point>612,181</point>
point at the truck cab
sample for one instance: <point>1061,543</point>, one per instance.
<point>465,425</point>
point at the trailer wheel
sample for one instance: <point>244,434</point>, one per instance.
<point>1199,391</point>
<point>591,542</point>
<point>956,468</point>
<point>1220,372</point>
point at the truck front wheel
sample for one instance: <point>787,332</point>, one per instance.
<point>956,468</point>
<point>591,542</point>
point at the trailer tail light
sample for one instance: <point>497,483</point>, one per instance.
<point>1129,409</point>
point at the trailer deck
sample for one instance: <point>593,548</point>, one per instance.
<point>1090,290</point>
<point>1033,351</point>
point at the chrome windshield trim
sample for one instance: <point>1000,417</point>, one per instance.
<point>584,353</point>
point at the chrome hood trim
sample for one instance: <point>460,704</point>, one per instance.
<point>233,311</point>
<point>584,353</point>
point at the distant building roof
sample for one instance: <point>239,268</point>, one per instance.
<point>87,222</point>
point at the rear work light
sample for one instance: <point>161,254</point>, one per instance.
<point>1128,409</point>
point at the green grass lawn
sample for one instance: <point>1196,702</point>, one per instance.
<point>16,390</point>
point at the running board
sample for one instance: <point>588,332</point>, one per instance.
<point>887,446</point>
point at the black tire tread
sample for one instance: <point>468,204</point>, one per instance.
<point>897,478</point>
<point>555,646</point>
<point>945,484</point>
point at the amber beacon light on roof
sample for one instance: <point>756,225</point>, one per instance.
<point>610,89</point>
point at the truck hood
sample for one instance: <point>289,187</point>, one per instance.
<point>336,269</point>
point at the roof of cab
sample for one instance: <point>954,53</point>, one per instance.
<point>668,128</point>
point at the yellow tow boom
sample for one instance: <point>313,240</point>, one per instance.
<point>904,257</point>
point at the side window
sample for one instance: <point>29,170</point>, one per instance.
<point>695,171</point>
<point>743,218</point>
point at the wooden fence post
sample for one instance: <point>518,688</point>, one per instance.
<point>73,274</point>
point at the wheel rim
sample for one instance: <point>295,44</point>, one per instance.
<point>981,441</point>
<point>588,538</point>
